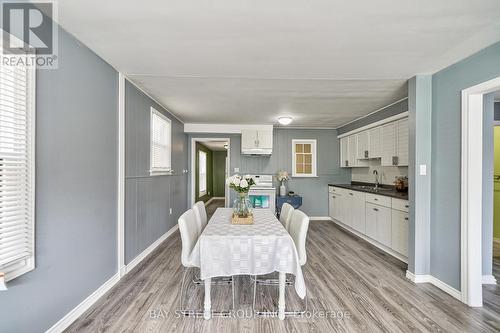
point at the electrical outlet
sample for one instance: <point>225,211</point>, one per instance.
<point>170,211</point>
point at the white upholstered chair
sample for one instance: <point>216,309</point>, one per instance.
<point>189,231</point>
<point>201,215</point>
<point>298,227</point>
<point>286,214</point>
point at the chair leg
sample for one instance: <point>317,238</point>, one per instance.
<point>275,313</point>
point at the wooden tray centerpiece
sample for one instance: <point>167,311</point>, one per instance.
<point>235,219</point>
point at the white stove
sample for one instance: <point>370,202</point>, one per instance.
<point>263,193</point>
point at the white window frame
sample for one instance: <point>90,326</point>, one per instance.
<point>158,171</point>
<point>28,264</point>
<point>313,143</point>
<point>200,192</point>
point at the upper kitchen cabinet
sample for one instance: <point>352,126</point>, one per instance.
<point>402,127</point>
<point>256,142</point>
<point>386,141</point>
<point>344,158</point>
<point>362,145</point>
<point>374,150</point>
<point>388,144</point>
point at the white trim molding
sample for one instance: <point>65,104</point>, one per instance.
<point>69,318</point>
<point>435,282</point>
<point>74,314</point>
<point>212,199</point>
<point>471,190</point>
<point>384,121</point>
<point>489,279</point>
<point>224,128</point>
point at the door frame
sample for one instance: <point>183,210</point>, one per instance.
<point>471,190</point>
<point>192,196</point>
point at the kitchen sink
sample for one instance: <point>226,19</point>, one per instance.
<point>372,188</point>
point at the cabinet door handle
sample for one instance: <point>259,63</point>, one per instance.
<point>375,199</point>
<point>334,197</point>
<point>346,163</point>
<point>395,160</point>
<point>406,206</point>
<point>366,153</point>
<point>406,219</point>
<point>350,193</point>
<point>375,209</point>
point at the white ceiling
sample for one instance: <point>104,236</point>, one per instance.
<point>215,145</point>
<point>323,62</point>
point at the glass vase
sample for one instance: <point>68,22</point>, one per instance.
<point>242,205</point>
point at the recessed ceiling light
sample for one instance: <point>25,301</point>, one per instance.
<point>285,120</point>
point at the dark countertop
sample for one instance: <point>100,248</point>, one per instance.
<point>387,190</point>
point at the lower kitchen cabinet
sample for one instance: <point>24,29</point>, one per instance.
<point>335,206</point>
<point>379,219</point>
<point>399,235</point>
<point>378,223</point>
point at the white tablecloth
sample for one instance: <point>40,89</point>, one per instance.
<point>224,249</point>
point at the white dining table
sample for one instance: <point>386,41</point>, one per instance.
<point>225,249</point>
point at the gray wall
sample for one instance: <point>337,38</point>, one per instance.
<point>148,198</point>
<point>420,152</point>
<point>488,165</point>
<point>76,190</point>
<point>313,190</point>
<point>446,142</point>
<point>396,108</point>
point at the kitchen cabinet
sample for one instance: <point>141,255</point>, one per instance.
<point>377,218</point>
<point>335,206</point>
<point>354,213</point>
<point>351,151</point>
<point>362,145</point>
<point>388,144</point>
<point>378,226</point>
<point>344,156</point>
<point>402,142</point>
<point>399,232</point>
<point>374,142</point>
<point>255,140</point>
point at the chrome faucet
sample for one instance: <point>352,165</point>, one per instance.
<point>375,172</point>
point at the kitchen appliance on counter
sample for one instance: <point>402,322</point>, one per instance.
<point>262,195</point>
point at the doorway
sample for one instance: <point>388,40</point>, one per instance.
<point>472,187</point>
<point>210,166</point>
<point>496,189</point>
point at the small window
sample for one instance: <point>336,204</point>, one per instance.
<point>304,158</point>
<point>202,173</point>
<point>17,170</point>
<point>160,143</point>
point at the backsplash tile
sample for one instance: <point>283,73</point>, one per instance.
<point>387,174</point>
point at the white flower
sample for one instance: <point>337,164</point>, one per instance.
<point>247,177</point>
<point>244,183</point>
<point>236,181</point>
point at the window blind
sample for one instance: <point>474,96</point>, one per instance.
<point>16,170</point>
<point>160,142</point>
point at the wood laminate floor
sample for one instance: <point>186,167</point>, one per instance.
<point>344,275</point>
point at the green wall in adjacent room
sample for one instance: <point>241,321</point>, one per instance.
<point>219,173</point>
<point>209,194</point>
<point>496,193</point>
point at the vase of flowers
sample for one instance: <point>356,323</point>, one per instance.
<point>242,207</point>
<point>283,177</point>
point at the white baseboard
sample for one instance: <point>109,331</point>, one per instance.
<point>489,279</point>
<point>131,265</point>
<point>320,218</point>
<point>436,282</point>
<point>69,318</point>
